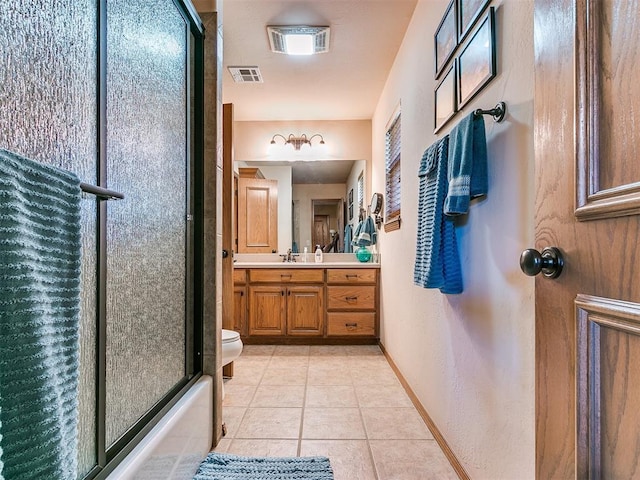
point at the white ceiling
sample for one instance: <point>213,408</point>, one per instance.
<point>343,84</point>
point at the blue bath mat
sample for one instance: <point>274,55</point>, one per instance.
<point>221,466</point>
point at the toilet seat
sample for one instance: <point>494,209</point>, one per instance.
<point>230,336</point>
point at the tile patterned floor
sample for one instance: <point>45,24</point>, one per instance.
<point>344,402</point>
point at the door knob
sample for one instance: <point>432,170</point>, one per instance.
<point>225,253</point>
<point>549,262</point>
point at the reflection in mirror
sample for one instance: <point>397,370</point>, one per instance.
<point>310,189</point>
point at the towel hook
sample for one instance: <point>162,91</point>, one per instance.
<point>498,112</point>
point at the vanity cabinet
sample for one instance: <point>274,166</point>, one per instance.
<point>240,301</point>
<point>286,302</point>
<point>308,305</point>
<point>352,302</point>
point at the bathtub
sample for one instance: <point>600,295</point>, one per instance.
<point>174,448</point>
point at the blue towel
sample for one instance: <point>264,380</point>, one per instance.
<point>39,319</point>
<point>467,172</point>
<point>348,248</point>
<point>366,233</point>
<point>437,263</point>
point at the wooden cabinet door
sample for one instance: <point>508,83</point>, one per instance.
<point>267,310</point>
<point>257,215</point>
<point>305,310</point>
<point>240,310</point>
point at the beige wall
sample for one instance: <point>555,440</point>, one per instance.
<point>469,357</point>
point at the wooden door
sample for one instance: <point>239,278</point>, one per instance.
<point>240,310</point>
<point>305,310</point>
<point>321,231</point>
<point>257,215</point>
<point>587,147</point>
<point>267,310</point>
<point>227,224</point>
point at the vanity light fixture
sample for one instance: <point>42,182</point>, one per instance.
<point>298,39</point>
<point>297,142</point>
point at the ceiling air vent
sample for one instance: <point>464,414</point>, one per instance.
<point>286,39</point>
<point>246,74</point>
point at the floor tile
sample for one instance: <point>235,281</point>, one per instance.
<point>232,416</point>
<point>248,350</point>
<point>249,370</point>
<point>292,350</point>
<point>382,396</point>
<point>328,375</point>
<point>331,396</point>
<point>373,376</point>
<point>238,395</point>
<point>283,423</point>
<point>264,448</point>
<point>327,350</point>
<point>394,424</point>
<point>278,396</point>
<point>285,361</point>
<point>332,423</point>
<point>350,459</point>
<point>410,460</point>
<point>285,376</point>
<point>364,350</point>
<point>223,445</point>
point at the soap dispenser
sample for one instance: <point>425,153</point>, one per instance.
<point>318,254</point>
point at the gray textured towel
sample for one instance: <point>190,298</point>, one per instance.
<point>39,319</point>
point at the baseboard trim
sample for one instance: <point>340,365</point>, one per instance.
<point>453,460</point>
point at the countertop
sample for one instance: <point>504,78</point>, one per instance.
<point>270,260</point>
<point>297,264</point>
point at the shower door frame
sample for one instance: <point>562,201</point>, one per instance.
<point>108,457</point>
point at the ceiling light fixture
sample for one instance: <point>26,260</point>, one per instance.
<point>297,142</point>
<point>298,39</point>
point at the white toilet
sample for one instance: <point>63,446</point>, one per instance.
<point>231,349</point>
<point>231,346</point>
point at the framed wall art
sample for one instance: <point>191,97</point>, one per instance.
<point>446,38</point>
<point>445,98</point>
<point>477,62</point>
<point>468,12</point>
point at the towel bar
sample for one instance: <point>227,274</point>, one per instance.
<point>498,112</point>
<point>101,193</point>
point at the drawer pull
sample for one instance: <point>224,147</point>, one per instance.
<point>351,299</point>
<point>351,325</point>
<point>353,275</point>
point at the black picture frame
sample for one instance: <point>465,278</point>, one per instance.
<point>477,62</point>
<point>350,196</point>
<point>350,212</point>
<point>445,106</point>
<point>468,13</point>
<point>445,39</point>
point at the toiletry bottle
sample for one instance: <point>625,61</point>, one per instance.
<point>318,254</point>
<point>304,255</point>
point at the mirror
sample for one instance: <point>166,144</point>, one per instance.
<point>316,200</point>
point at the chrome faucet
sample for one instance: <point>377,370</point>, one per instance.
<point>289,257</point>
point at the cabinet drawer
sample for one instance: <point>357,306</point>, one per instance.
<point>351,275</point>
<point>351,323</point>
<point>239,276</point>
<point>286,275</point>
<point>351,298</point>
